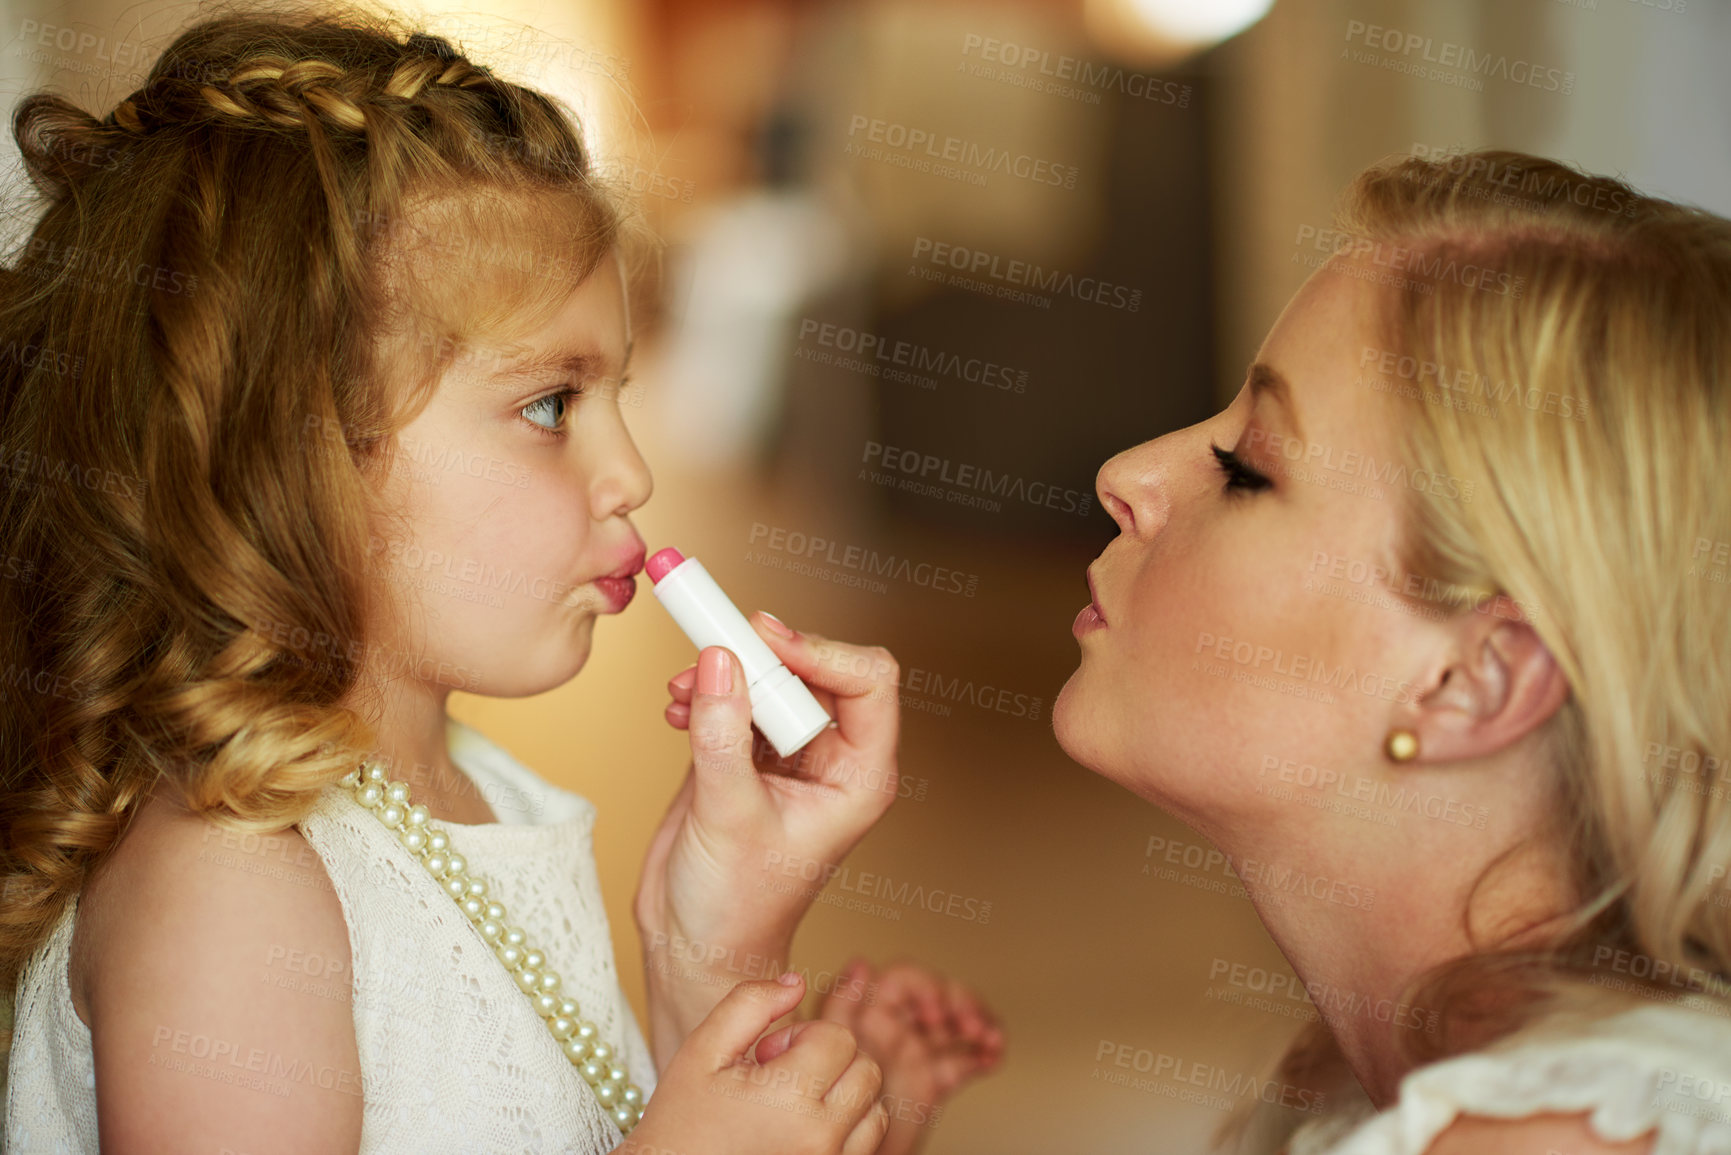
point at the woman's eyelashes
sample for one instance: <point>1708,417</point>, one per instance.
<point>554,405</point>
<point>1239,476</point>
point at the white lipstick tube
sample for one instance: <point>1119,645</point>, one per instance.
<point>781,705</point>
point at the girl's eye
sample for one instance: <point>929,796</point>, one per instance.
<point>552,406</point>
<point>1239,476</point>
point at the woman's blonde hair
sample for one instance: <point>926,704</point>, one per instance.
<point>1559,346</point>
<point>244,279</point>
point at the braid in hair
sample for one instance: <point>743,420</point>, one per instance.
<point>288,93</point>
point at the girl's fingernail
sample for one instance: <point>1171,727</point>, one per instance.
<point>777,624</point>
<point>714,672</point>
<point>789,979</point>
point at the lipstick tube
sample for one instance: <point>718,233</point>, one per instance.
<point>781,705</point>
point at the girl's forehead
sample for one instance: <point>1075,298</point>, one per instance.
<point>587,335</point>
<point>475,283</point>
<point>494,261</point>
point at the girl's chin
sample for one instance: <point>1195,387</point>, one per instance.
<point>535,667</point>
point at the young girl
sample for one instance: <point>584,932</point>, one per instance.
<point>317,423</point>
<point>1425,631</point>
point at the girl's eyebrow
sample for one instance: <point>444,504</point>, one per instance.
<point>581,362</point>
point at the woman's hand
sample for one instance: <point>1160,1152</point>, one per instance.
<point>751,839</point>
<point>817,1095</point>
<point>930,1035</point>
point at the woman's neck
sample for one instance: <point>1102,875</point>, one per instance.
<point>1357,958</point>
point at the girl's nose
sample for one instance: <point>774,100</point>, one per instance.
<point>625,484</point>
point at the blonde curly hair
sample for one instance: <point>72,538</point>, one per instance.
<point>244,279</point>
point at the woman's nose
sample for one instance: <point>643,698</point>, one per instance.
<point>1132,489</point>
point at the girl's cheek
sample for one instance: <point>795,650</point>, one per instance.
<point>548,525</point>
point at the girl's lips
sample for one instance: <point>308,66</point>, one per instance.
<point>1088,620</point>
<point>631,565</point>
<point>618,591</point>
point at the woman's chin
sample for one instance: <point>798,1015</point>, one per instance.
<point>1083,721</point>
<point>1074,724</point>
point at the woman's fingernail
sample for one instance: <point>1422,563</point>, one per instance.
<point>788,979</point>
<point>714,672</point>
<point>777,624</point>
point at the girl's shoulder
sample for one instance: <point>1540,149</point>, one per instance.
<point>173,873</point>
<point>187,963</point>
<point>1663,1068</point>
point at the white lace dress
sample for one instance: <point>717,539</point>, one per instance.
<point>453,1057</point>
<point>1664,1068</point>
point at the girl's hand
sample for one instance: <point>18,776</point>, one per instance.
<point>818,1095</point>
<point>930,1035</point>
<point>750,839</point>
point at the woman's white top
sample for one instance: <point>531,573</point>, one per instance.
<point>1664,1068</point>
<point>453,1056</point>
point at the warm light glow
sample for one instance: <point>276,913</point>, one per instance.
<point>1199,22</point>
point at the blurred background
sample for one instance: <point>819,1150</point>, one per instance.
<point>926,265</point>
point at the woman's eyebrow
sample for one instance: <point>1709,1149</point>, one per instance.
<point>1266,379</point>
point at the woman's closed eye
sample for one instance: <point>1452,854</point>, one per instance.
<point>554,405</point>
<point>1239,476</point>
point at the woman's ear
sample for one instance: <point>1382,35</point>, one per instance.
<point>1500,683</point>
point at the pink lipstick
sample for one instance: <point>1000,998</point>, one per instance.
<point>781,705</point>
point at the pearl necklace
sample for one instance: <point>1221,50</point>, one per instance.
<point>580,1039</point>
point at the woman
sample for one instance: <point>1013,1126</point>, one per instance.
<point>1454,541</point>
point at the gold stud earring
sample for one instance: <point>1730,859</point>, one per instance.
<point>1401,745</point>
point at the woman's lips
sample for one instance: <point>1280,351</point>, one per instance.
<point>1091,618</point>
